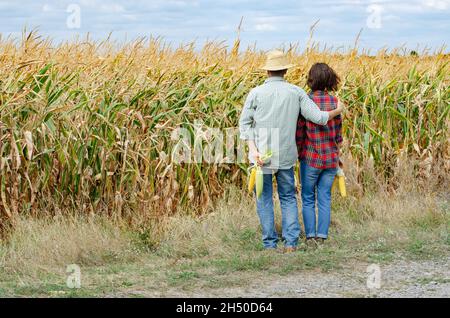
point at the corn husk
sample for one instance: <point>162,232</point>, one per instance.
<point>259,181</point>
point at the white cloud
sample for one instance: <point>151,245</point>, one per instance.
<point>224,28</point>
<point>265,27</point>
<point>130,17</point>
<point>182,3</point>
<point>112,8</point>
<point>47,8</point>
<point>418,6</point>
<point>391,17</point>
<point>437,4</point>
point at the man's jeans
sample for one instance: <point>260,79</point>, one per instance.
<point>289,210</point>
<point>320,181</point>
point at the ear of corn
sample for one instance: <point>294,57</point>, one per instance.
<point>260,175</point>
<point>335,184</point>
<point>252,179</point>
<point>341,182</point>
<point>259,181</point>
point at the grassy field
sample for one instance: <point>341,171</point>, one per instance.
<point>87,175</point>
<point>221,250</point>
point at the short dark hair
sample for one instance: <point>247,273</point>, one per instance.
<point>279,73</point>
<point>321,77</point>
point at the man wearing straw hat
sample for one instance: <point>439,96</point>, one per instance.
<point>268,122</point>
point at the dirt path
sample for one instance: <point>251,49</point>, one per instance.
<point>399,279</point>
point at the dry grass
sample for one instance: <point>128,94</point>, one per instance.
<point>358,222</point>
<point>395,218</point>
<point>40,245</point>
<point>379,213</point>
<point>375,228</point>
<point>232,226</point>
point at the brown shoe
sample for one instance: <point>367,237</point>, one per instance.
<point>290,249</point>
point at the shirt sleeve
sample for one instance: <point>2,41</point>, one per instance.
<point>311,111</point>
<point>246,121</point>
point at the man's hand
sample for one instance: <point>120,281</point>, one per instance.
<point>340,106</point>
<point>254,153</point>
<point>339,109</point>
<point>257,157</point>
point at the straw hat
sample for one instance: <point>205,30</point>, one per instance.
<point>276,61</point>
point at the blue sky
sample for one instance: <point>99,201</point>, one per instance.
<point>269,24</point>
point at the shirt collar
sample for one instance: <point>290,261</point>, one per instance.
<point>319,93</point>
<point>275,79</point>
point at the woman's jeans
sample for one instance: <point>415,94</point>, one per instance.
<point>317,181</point>
<point>289,210</point>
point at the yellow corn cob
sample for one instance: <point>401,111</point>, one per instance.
<point>335,184</point>
<point>341,182</point>
<point>259,181</point>
<point>251,180</point>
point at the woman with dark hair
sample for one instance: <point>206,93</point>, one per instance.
<point>318,149</point>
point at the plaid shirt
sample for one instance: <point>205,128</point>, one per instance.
<point>317,145</point>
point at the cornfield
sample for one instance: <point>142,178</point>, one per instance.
<point>88,125</point>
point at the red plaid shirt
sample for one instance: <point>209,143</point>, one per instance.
<point>316,144</point>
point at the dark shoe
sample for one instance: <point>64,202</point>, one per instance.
<point>320,241</point>
<point>311,243</point>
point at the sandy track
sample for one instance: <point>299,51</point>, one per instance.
<point>399,279</point>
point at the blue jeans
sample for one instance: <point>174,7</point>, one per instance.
<point>289,210</point>
<point>317,181</point>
